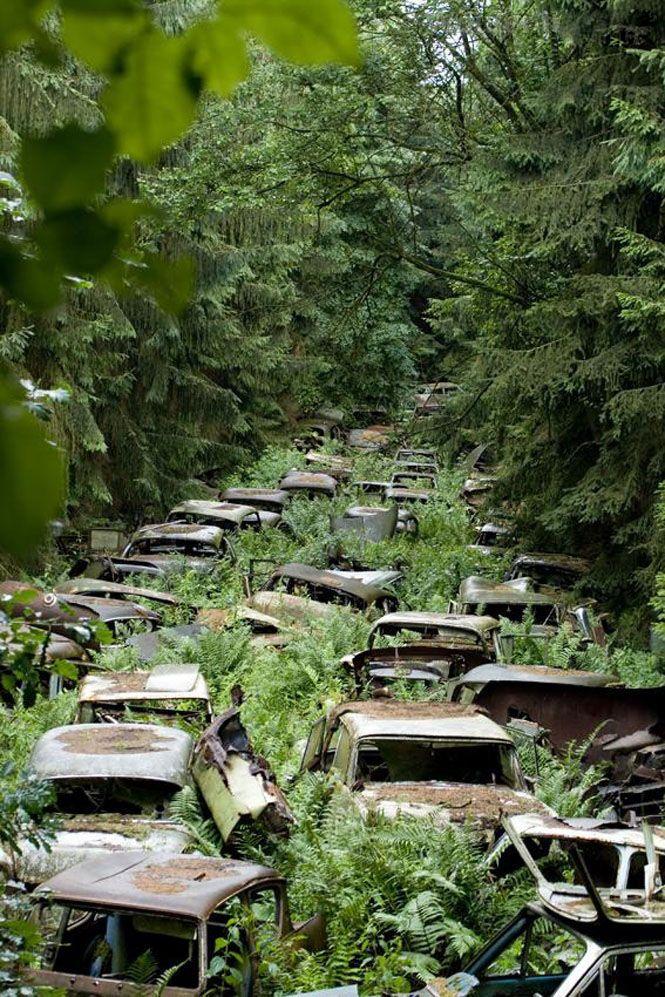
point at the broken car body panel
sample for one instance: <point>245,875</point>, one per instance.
<point>235,782</point>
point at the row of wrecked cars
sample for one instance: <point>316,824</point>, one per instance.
<point>122,877</point>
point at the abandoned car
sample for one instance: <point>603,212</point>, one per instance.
<point>474,636</point>
<point>70,614</point>
<point>113,783</point>
<point>475,490</point>
<point>442,760</point>
<point>490,537</point>
<point>414,479</point>
<point>267,499</point>
<point>167,693</point>
<point>561,571</point>
<point>614,851</point>
<point>376,437</point>
<point>312,484</point>
<point>337,587</point>
<point>226,515</point>
<point>430,398</point>
<point>370,522</point>
<point>402,493</point>
<point>520,599</point>
<point>579,939</point>
<point>188,917</point>
<point>337,467</point>
<point>406,454</point>
<point>114,590</point>
<point>160,544</point>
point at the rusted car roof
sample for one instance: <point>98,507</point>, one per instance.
<point>403,494</point>
<point>369,438</point>
<point>391,718</point>
<point>481,627</point>
<point>588,903</point>
<point>336,581</point>
<point>476,590</point>
<point>407,453</point>
<point>108,751</point>
<point>562,562</point>
<point>311,481</point>
<point>372,522</point>
<point>99,587</point>
<point>172,885</point>
<point>481,675</point>
<point>225,512</point>
<point>175,681</point>
<point>294,609</point>
<point>111,610</point>
<point>255,496</point>
<point>331,464</point>
<point>54,607</point>
<point>193,532</point>
<point>586,829</point>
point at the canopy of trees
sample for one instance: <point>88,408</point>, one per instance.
<point>479,195</point>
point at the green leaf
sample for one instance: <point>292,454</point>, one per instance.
<point>171,282</point>
<point>31,471</point>
<point>19,20</point>
<point>303,31</point>
<point>77,240</point>
<point>219,55</point>
<point>67,669</point>
<point>151,104</point>
<point>98,33</point>
<point>28,280</point>
<point>67,167</point>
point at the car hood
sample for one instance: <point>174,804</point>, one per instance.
<point>447,802</point>
<point>82,838</point>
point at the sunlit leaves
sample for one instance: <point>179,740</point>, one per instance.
<point>32,473</point>
<point>219,56</point>
<point>299,30</point>
<point>152,102</point>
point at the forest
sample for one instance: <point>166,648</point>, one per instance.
<point>388,241</point>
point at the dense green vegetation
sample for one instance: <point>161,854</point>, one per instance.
<point>410,900</point>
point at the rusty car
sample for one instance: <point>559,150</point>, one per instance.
<point>614,851</point>
<point>578,939</point>
<point>113,784</point>
<point>475,635</point>
<point>83,585</point>
<point>435,648</point>
<point>179,914</point>
<point>403,493</point>
<point>430,398</point>
<point>341,588</point>
<point>490,538</point>
<point>408,453</point>
<point>226,515</point>
<point>70,614</point>
<point>311,484</point>
<point>168,693</point>
<point>337,467</point>
<point>422,759</point>
<point>370,522</point>
<point>376,437</point>
<point>476,490</point>
<point>266,499</point>
<point>413,478</point>
<point>562,571</point>
<point>58,662</point>
<point>163,544</point>
<point>521,598</point>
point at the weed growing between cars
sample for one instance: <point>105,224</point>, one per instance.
<point>402,898</point>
